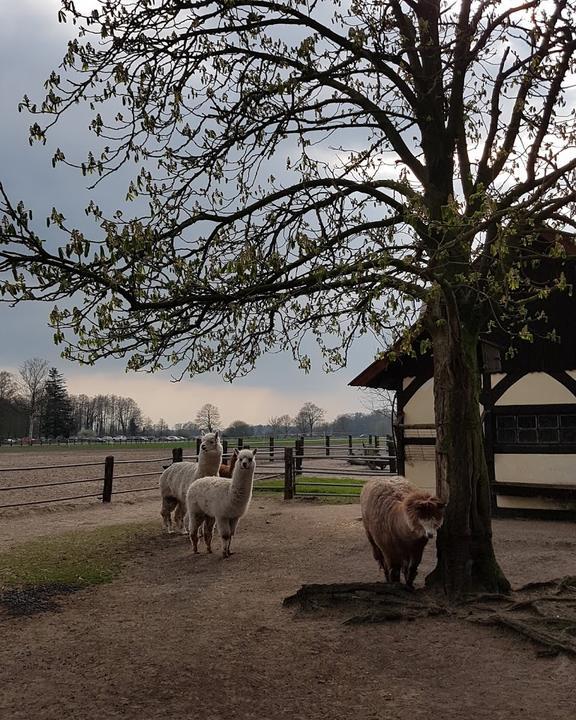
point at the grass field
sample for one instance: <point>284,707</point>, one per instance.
<point>77,559</point>
<point>330,489</point>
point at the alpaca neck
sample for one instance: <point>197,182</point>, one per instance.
<point>208,463</point>
<point>241,487</point>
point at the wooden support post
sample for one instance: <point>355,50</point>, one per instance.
<point>400,452</point>
<point>327,441</point>
<point>240,443</point>
<point>369,439</point>
<point>376,441</point>
<point>489,451</point>
<point>198,443</point>
<point>225,449</point>
<point>271,449</point>
<point>350,445</point>
<point>299,451</point>
<point>108,479</point>
<point>289,484</point>
<point>177,455</point>
<point>392,454</point>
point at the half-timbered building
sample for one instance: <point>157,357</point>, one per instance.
<point>528,406</point>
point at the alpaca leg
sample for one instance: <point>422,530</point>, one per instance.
<point>233,526</point>
<point>410,574</point>
<point>395,573</point>
<point>179,518</point>
<point>168,504</point>
<point>413,564</point>
<point>379,556</point>
<point>195,520</point>
<point>224,530</point>
<point>208,531</point>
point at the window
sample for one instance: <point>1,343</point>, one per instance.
<point>536,429</point>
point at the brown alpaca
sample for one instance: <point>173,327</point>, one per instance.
<point>226,469</point>
<point>399,520</point>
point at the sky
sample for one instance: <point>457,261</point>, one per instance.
<point>32,43</point>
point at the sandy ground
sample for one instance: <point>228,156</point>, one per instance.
<point>189,636</point>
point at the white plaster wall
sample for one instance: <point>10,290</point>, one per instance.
<point>495,379</point>
<point>422,474</point>
<point>420,408</point>
<point>555,469</point>
<point>535,389</point>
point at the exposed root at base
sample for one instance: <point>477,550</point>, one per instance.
<point>544,613</point>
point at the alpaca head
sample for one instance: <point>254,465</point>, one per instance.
<point>210,443</point>
<point>426,514</point>
<point>245,459</point>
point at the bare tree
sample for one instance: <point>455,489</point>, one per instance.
<point>279,424</point>
<point>33,375</point>
<point>208,418</point>
<point>8,386</point>
<point>327,168</point>
<point>308,417</point>
<point>161,427</point>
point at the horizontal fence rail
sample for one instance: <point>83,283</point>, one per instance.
<point>290,461</point>
<point>105,480</point>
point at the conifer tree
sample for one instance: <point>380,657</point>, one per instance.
<point>57,411</point>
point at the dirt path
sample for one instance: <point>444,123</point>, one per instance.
<point>185,636</point>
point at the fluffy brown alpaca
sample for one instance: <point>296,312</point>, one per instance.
<point>399,520</point>
<point>227,469</point>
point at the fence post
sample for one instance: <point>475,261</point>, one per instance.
<point>225,449</point>
<point>369,439</point>
<point>289,473</point>
<point>176,455</point>
<point>392,454</point>
<point>376,441</point>
<point>327,441</point>
<point>350,445</point>
<point>108,479</point>
<point>198,443</point>
<point>299,449</point>
<point>240,443</point>
<point>271,442</point>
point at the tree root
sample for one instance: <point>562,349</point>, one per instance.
<point>544,612</point>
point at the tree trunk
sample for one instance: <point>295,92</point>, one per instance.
<point>466,560</point>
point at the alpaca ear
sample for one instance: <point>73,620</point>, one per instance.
<point>254,452</point>
<point>236,452</point>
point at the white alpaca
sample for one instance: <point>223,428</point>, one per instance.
<point>224,501</point>
<point>177,478</point>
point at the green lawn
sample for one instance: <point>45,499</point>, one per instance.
<point>332,489</point>
<point>76,559</point>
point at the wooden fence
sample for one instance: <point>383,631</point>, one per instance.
<point>295,462</point>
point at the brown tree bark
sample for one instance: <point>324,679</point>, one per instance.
<point>466,559</point>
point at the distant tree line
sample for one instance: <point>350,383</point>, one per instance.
<point>37,404</point>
